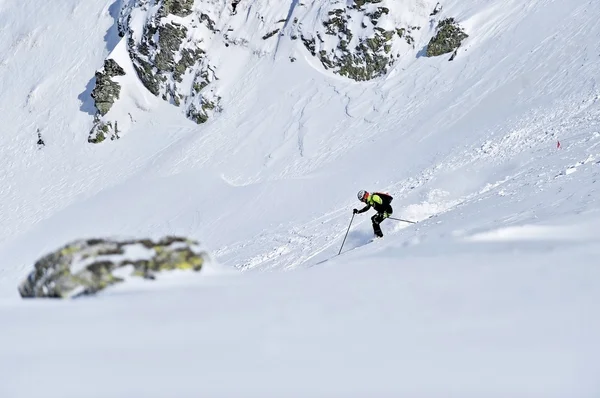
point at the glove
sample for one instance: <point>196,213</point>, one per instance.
<point>355,211</point>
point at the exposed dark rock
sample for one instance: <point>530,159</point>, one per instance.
<point>169,40</point>
<point>107,91</point>
<point>165,52</point>
<point>103,130</point>
<point>40,141</point>
<point>270,34</point>
<point>448,38</point>
<point>436,10</point>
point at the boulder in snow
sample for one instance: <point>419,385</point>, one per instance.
<point>85,267</point>
<point>448,38</point>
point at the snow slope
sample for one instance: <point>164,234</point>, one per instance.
<point>495,294</point>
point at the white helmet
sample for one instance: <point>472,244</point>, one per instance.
<point>362,194</point>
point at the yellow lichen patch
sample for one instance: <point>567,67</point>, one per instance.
<point>183,265</point>
<point>194,264</point>
<point>188,260</point>
<point>197,262</point>
<point>69,250</point>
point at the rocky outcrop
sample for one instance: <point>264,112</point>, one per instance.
<point>86,267</point>
<point>358,51</point>
<point>181,49</point>
<point>448,38</point>
<point>103,130</point>
<point>106,91</point>
<point>168,53</point>
<point>180,8</point>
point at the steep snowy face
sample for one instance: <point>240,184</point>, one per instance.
<point>188,52</point>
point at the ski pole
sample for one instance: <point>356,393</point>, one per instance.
<point>346,234</point>
<point>399,219</point>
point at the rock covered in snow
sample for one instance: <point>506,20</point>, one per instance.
<point>166,41</point>
<point>103,130</point>
<point>359,39</point>
<point>105,93</point>
<point>85,267</point>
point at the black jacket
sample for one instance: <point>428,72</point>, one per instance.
<point>380,202</point>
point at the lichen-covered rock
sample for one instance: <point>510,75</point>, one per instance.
<point>206,108</point>
<point>448,38</point>
<point>168,50</point>
<point>103,130</point>
<point>170,37</point>
<point>106,91</point>
<point>85,267</point>
<point>180,8</point>
<point>359,51</point>
<point>361,3</point>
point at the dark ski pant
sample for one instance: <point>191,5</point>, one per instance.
<point>377,219</point>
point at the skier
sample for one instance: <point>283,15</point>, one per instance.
<point>381,203</point>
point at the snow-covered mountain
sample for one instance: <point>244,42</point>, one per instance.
<point>250,126</point>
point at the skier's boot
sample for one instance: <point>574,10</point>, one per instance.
<point>377,230</point>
